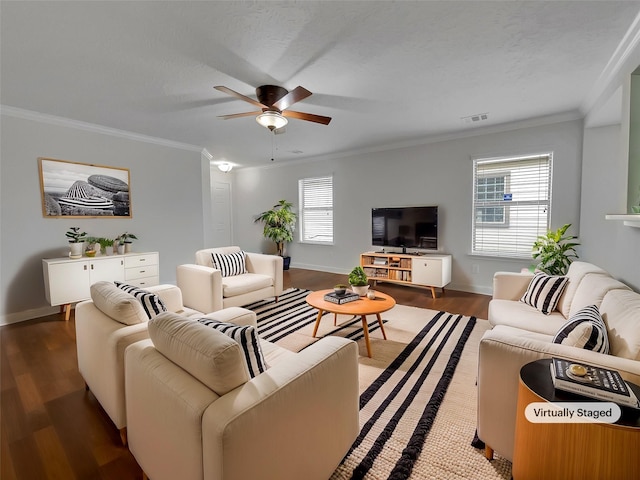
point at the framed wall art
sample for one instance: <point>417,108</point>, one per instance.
<point>81,190</point>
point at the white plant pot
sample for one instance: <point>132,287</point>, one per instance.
<point>127,247</point>
<point>360,290</point>
<point>120,249</point>
<point>76,250</point>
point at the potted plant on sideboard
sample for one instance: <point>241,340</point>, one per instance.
<point>76,241</point>
<point>358,281</point>
<point>279,225</point>
<point>126,239</point>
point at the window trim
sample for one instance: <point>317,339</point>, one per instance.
<point>302,230</point>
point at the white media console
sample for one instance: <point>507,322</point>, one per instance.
<point>428,270</point>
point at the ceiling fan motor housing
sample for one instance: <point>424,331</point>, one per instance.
<point>270,94</point>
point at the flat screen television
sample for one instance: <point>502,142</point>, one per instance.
<point>405,227</point>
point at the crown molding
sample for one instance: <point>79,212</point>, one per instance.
<point>623,62</point>
<point>90,127</point>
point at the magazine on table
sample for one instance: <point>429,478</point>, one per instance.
<point>592,381</point>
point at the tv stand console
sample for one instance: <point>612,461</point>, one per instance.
<point>429,270</point>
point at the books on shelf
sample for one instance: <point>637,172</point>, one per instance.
<point>597,382</point>
<point>346,297</point>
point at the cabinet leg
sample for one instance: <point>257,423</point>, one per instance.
<point>433,292</point>
<point>67,311</point>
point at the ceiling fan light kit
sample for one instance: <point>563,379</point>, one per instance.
<point>274,101</point>
<point>271,120</point>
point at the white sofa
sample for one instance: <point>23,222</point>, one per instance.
<point>194,414</point>
<point>110,322</point>
<point>205,289</point>
<point>522,334</point>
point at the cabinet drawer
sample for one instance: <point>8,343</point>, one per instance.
<point>144,282</point>
<point>140,271</point>
<point>131,261</point>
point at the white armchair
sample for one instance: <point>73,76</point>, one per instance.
<point>111,321</point>
<point>204,287</point>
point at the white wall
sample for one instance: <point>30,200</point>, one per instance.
<point>431,174</point>
<point>166,197</point>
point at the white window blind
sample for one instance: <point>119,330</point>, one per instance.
<point>316,205</point>
<point>511,204</point>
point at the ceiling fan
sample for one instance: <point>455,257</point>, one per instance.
<point>274,102</point>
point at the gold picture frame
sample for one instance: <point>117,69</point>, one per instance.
<point>82,190</point>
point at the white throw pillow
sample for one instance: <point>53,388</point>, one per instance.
<point>585,329</point>
<point>544,291</point>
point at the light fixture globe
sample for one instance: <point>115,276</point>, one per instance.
<point>225,167</point>
<point>272,120</point>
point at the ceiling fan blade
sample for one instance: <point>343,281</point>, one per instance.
<point>233,93</point>
<point>310,117</point>
<point>295,95</point>
<point>238,115</point>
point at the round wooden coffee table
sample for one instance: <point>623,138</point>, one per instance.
<point>361,307</point>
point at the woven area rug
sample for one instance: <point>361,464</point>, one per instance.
<point>417,393</point>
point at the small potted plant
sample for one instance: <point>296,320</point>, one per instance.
<point>340,289</point>
<point>76,241</point>
<point>106,246</point>
<point>126,239</point>
<point>90,248</point>
<point>358,281</point>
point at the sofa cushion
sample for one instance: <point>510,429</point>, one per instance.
<point>117,304</point>
<point>585,329</point>
<point>544,292</point>
<point>576,272</point>
<point>229,264</point>
<point>592,290</point>
<point>523,316</point>
<point>207,354</point>
<point>241,284</point>
<point>247,338</point>
<point>151,303</point>
<point>620,310</point>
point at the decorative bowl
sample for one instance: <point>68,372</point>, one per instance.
<point>340,289</point>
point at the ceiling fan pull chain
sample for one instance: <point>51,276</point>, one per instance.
<point>273,139</point>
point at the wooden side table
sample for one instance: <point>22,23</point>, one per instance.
<point>566,451</point>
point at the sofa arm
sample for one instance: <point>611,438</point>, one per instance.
<point>237,315</point>
<point>503,352</point>
<point>510,285</point>
<point>170,295</point>
<point>101,342</point>
<point>201,287</point>
<point>270,265</point>
<point>308,406</point>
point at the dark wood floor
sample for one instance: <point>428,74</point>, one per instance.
<point>51,428</point>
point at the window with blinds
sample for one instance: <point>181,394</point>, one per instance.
<point>511,204</point>
<point>316,209</point>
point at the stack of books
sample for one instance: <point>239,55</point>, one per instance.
<point>591,381</point>
<point>346,297</point>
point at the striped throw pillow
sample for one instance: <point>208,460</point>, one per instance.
<point>229,264</point>
<point>585,329</point>
<point>544,291</point>
<point>151,303</point>
<point>247,337</point>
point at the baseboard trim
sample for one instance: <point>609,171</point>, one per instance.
<point>27,315</point>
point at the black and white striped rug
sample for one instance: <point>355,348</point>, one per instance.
<point>414,422</point>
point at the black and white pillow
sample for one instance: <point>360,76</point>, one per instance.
<point>229,264</point>
<point>585,329</point>
<point>544,291</point>
<point>247,337</point>
<point>150,302</point>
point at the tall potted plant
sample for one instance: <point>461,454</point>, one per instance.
<point>555,251</point>
<point>279,225</point>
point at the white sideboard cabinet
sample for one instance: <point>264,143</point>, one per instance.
<point>68,280</point>
<point>429,270</point>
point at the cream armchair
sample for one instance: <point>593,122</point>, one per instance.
<point>204,287</point>
<point>111,321</point>
<point>194,414</point>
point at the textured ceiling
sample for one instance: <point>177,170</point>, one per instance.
<point>387,72</point>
